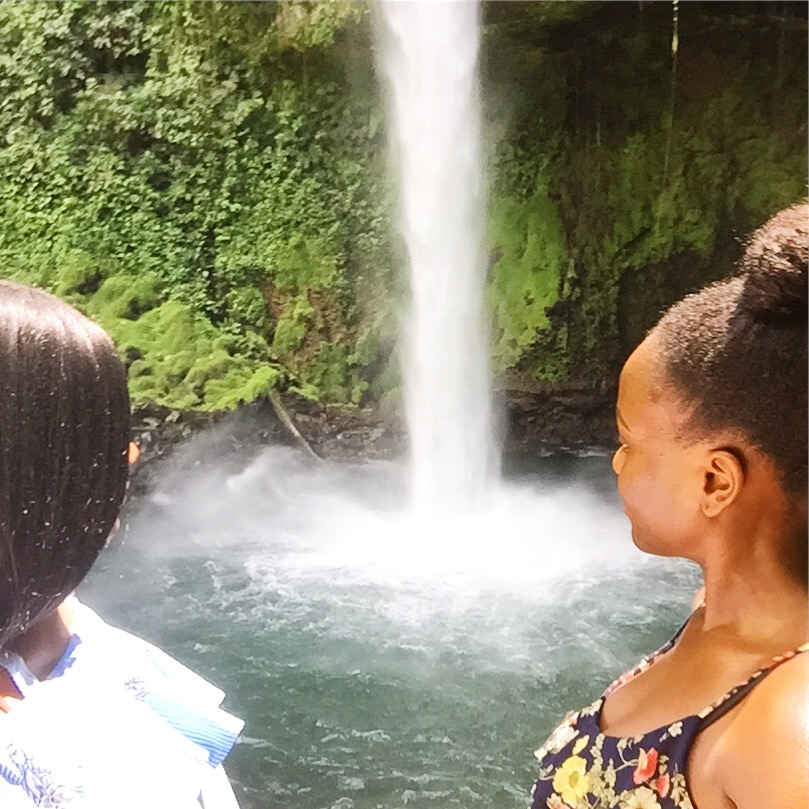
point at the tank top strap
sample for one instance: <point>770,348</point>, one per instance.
<point>676,636</point>
<point>736,694</point>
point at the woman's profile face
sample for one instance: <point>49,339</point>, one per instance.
<point>660,477</point>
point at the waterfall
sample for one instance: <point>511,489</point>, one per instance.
<point>428,52</point>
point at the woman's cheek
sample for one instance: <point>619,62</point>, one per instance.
<point>628,491</point>
<point>637,489</point>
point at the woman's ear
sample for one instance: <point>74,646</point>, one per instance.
<point>724,478</point>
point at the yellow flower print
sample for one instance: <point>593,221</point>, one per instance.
<point>580,745</point>
<point>640,798</point>
<point>676,729</point>
<point>571,780</point>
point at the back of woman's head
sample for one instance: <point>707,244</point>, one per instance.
<point>737,349</point>
<point>64,432</point>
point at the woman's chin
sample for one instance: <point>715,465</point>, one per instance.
<point>643,542</point>
<point>646,544</point>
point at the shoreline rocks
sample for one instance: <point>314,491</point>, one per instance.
<point>542,419</point>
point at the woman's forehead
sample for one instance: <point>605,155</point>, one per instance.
<point>643,401</point>
<point>640,376</point>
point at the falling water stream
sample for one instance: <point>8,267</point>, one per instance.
<point>429,56</point>
<point>396,634</point>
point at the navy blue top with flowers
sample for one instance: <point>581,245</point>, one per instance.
<point>581,768</point>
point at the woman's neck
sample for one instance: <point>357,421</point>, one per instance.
<point>753,585</point>
<point>42,645</point>
<point>756,597</point>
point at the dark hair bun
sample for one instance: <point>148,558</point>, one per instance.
<point>774,267</point>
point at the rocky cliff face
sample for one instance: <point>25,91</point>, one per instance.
<point>636,145</point>
<point>543,419</point>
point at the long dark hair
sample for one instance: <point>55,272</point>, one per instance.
<point>64,432</point>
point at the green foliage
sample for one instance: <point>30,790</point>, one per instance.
<point>157,164</point>
<point>239,385</point>
<point>661,195</point>
<point>293,325</point>
<point>120,297</point>
<point>525,280</point>
<point>246,308</point>
<point>178,359</point>
<point>207,180</point>
<point>304,24</point>
<point>333,374</point>
<point>648,168</point>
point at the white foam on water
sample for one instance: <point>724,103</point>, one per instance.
<point>333,549</point>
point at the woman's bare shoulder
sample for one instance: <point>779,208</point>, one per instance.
<point>766,746</point>
<point>782,695</point>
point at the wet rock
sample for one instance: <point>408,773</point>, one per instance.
<point>569,416</point>
<point>541,418</point>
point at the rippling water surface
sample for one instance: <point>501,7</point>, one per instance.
<point>380,660</point>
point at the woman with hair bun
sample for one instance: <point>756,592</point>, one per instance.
<point>712,467</point>
<point>90,716</point>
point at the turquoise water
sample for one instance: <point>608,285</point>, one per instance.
<point>381,662</point>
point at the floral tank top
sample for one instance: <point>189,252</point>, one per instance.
<point>581,768</point>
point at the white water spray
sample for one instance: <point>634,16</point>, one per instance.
<point>429,54</point>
